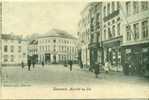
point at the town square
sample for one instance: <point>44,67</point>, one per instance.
<point>101,45</point>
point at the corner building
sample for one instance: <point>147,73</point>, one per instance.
<point>55,46</point>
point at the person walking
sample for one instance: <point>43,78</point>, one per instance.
<point>29,65</point>
<point>22,65</point>
<point>96,69</point>
<point>33,64</point>
<point>70,63</point>
<point>106,67</point>
<point>42,64</point>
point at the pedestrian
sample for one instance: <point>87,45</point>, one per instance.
<point>126,71</point>
<point>130,69</point>
<point>22,65</point>
<point>42,64</point>
<point>96,69</point>
<point>29,65</point>
<point>106,67</point>
<point>70,63</point>
<point>81,64</point>
<point>33,64</point>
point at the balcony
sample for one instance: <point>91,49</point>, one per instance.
<point>116,41</point>
<point>110,16</point>
<point>94,44</point>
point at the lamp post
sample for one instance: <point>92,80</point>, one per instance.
<point>54,56</point>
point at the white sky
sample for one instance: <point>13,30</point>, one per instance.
<point>39,17</point>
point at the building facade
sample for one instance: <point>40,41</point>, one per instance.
<point>14,50</point>
<point>112,34</point>
<point>104,33</point>
<point>121,29</point>
<point>32,51</point>
<point>55,46</point>
<point>95,45</point>
<point>84,36</point>
<point>136,36</point>
<point>0,33</point>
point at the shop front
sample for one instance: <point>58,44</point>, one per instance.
<point>137,56</point>
<point>96,54</point>
<point>112,54</point>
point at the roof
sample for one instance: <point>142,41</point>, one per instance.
<point>10,37</point>
<point>57,33</point>
<point>34,42</point>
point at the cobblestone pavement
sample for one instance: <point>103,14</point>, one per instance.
<point>58,75</point>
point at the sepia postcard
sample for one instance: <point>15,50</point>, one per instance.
<point>95,50</point>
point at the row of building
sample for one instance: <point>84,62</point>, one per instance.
<point>55,46</point>
<point>0,31</point>
<point>14,49</point>
<point>115,32</point>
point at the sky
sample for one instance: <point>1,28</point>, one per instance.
<point>39,17</point>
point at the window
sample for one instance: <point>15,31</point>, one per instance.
<point>54,41</point>
<point>92,38</point>
<point>97,21</point>
<point>19,48</point>
<point>49,47</point>
<point>92,27</point>
<point>105,34</point>
<point>113,6</point>
<point>113,31</point>
<point>95,38</point>
<point>128,8</point>
<point>19,41</point>
<point>144,5</point>
<point>46,47</point>
<point>145,29</point>
<point>12,58</point>
<point>136,31</point>
<point>5,48</point>
<point>104,11</point>
<point>12,48</point>
<point>128,28</point>
<point>118,29</point>
<point>109,33</point>
<point>5,58</point>
<point>135,7</point>
<point>108,9</point>
<point>118,5</point>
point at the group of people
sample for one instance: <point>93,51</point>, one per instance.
<point>70,64</point>
<point>29,63</point>
<point>96,68</point>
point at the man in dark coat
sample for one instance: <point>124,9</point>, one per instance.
<point>70,63</point>
<point>29,65</point>
<point>22,65</point>
<point>96,69</point>
<point>42,64</point>
<point>33,64</point>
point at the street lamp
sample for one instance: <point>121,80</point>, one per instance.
<point>54,56</point>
